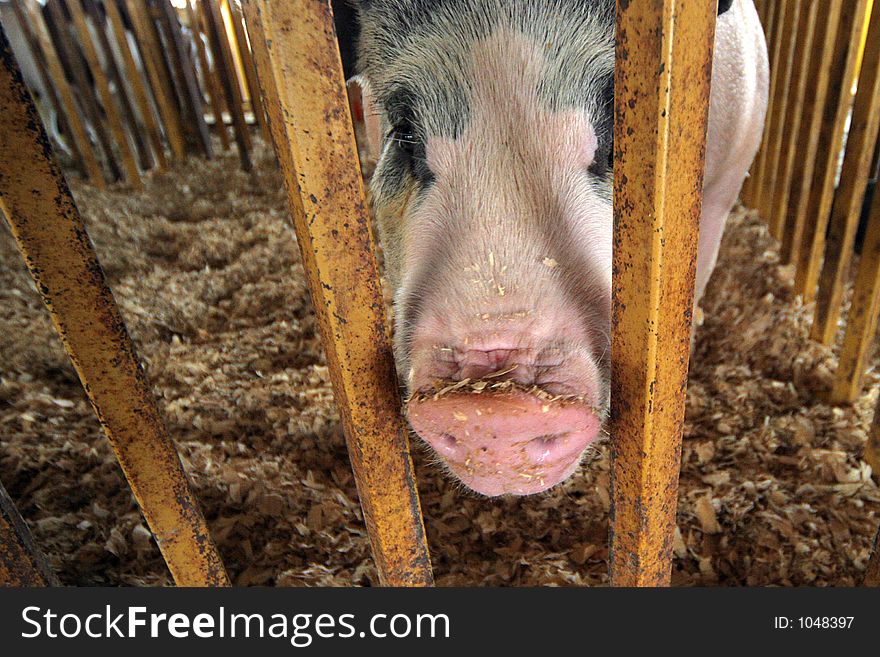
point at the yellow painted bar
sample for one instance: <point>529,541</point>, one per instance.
<point>778,37</point>
<point>137,84</point>
<point>797,110</point>
<point>210,80</point>
<point>226,72</point>
<point>843,73</point>
<point>820,58</point>
<point>749,190</point>
<point>847,209</point>
<point>872,447</point>
<point>145,34</point>
<point>21,561</point>
<point>54,99</point>
<point>310,117</point>
<point>780,118</point>
<point>247,65</point>
<point>662,78</point>
<point>861,326</point>
<point>53,241</point>
<point>132,172</point>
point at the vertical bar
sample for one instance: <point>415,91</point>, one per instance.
<point>69,53</point>
<point>46,80</point>
<point>777,38</point>
<point>781,185</point>
<point>21,561</point>
<point>661,96</point>
<point>53,241</point>
<point>779,118</point>
<point>872,574</point>
<point>213,86</point>
<point>250,72</point>
<point>91,7</point>
<point>78,130</point>
<point>151,56</point>
<point>872,447</point>
<point>848,201</point>
<point>228,78</point>
<point>831,135</point>
<point>88,48</point>
<point>820,64</point>
<point>137,83</point>
<point>309,115</point>
<point>749,187</point>
<point>861,324</point>
<point>191,96</point>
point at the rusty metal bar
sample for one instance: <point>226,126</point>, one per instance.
<point>191,95</point>
<point>820,58</point>
<point>831,134</point>
<point>780,215</point>
<point>70,55</point>
<point>137,84</point>
<point>661,88</point>
<point>250,71</point>
<point>861,326</point>
<point>848,201</point>
<point>145,34</point>
<point>228,78</point>
<point>46,79</point>
<point>213,86</point>
<point>872,573</point>
<point>143,152</point>
<point>777,38</point>
<point>53,241</point>
<point>132,172</point>
<point>751,183</point>
<point>780,117</point>
<point>301,76</point>
<point>21,561</point>
<point>78,130</point>
<point>872,446</point>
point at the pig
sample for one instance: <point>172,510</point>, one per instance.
<point>491,121</point>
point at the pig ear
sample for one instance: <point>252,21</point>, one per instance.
<point>365,113</point>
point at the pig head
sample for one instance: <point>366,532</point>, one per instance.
<point>492,123</point>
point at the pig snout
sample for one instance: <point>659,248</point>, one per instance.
<point>505,420</point>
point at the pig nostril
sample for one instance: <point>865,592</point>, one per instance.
<point>448,441</point>
<point>542,448</point>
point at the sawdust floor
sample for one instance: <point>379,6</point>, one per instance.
<point>206,271</point>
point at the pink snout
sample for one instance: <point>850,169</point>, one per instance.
<point>505,442</point>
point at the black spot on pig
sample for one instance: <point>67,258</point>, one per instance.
<point>724,5</point>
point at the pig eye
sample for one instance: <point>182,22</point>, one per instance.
<point>404,138</point>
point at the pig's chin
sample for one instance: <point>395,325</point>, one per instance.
<point>521,485</point>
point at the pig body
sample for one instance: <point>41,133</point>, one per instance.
<point>493,124</point>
